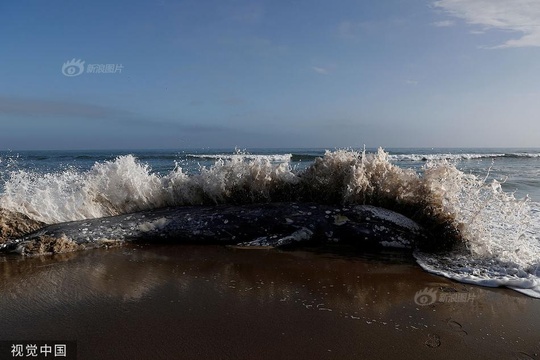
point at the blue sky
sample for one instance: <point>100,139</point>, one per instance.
<point>447,73</point>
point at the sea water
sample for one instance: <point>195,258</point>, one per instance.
<point>491,196</point>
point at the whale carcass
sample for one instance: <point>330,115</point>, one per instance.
<point>268,225</point>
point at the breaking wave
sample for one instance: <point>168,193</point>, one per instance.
<point>392,157</point>
<point>457,157</point>
<point>239,156</point>
<point>498,233</point>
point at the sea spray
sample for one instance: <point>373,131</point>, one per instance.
<point>439,194</point>
<point>498,233</point>
<point>14,225</point>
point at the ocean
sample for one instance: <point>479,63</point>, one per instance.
<point>517,167</point>
<point>491,195</point>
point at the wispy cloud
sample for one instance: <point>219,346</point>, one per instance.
<point>250,13</point>
<point>234,101</point>
<point>320,70</point>
<point>519,16</point>
<point>347,29</point>
<point>29,107</point>
<point>254,45</point>
<point>411,82</point>
<point>352,30</point>
<point>38,107</point>
<point>444,23</point>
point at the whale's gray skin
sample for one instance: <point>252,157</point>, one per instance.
<point>272,224</point>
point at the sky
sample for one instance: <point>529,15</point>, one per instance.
<point>137,74</point>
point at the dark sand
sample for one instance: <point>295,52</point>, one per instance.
<point>188,302</point>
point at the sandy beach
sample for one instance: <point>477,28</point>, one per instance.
<point>189,302</point>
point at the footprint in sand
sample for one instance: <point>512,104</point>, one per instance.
<point>433,341</point>
<point>524,356</point>
<point>454,325</point>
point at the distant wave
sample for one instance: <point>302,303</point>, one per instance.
<point>525,155</point>
<point>242,157</point>
<point>449,156</point>
<point>303,157</point>
<point>38,157</point>
<point>295,157</point>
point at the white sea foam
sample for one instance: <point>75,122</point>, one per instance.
<point>527,155</point>
<point>499,231</point>
<point>447,156</point>
<point>126,185</point>
<point>458,156</point>
<point>272,158</point>
<point>504,246</point>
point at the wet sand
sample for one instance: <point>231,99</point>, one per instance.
<point>189,302</point>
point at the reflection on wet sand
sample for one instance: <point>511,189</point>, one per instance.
<point>372,299</point>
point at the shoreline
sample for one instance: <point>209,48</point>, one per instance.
<point>212,302</point>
